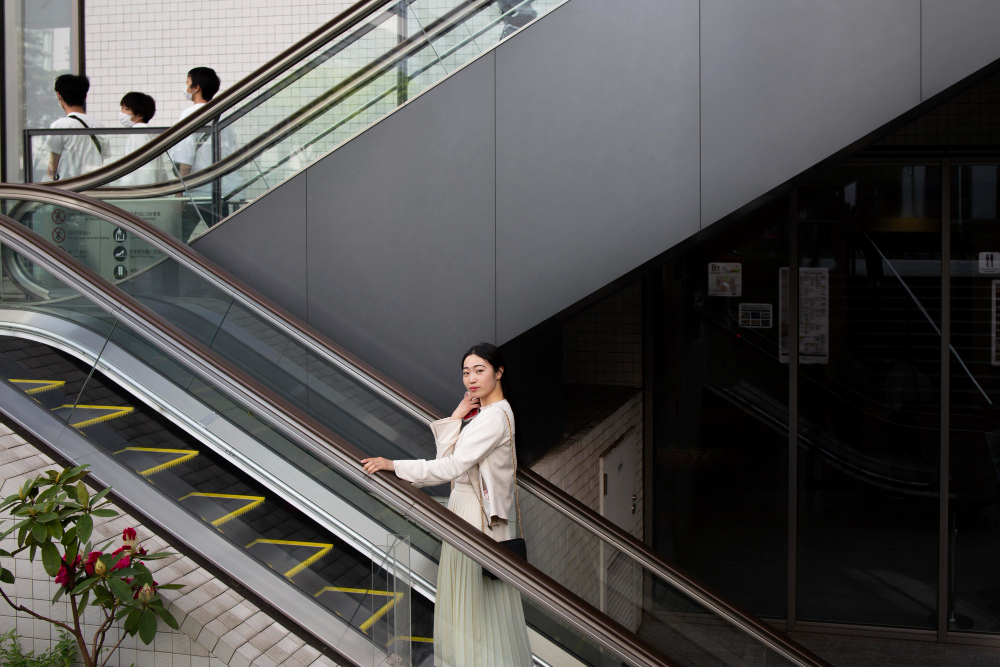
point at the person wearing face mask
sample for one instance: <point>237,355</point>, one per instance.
<point>72,155</point>
<point>137,109</point>
<point>196,151</point>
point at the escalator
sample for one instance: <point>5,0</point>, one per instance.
<point>691,624</point>
<point>369,60</point>
<point>107,388</point>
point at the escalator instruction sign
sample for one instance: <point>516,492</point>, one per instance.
<point>105,248</point>
<point>814,315</point>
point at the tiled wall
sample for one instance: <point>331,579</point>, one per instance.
<point>603,344</point>
<point>559,547</point>
<point>149,45</point>
<point>218,626</point>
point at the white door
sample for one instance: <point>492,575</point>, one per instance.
<point>621,586</point>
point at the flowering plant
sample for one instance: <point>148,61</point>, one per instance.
<point>54,515</point>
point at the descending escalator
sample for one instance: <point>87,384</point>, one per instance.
<point>204,484</point>
<point>367,410</point>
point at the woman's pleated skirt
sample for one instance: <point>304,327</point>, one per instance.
<point>478,622</point>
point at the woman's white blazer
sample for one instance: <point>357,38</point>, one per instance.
<point>485,441</point>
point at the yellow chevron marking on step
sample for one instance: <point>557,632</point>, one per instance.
<point>324,549</point>
<point>185,455</point>
<point>364,627</point>
<point>254,501</point>
<point>43,385</point>
<point>114,411</point>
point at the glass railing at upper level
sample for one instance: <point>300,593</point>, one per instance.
<point>599,562</point>
<point>285,449</point>
<point>366,68</point>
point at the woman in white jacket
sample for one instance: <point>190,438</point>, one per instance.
<point>478,622</point>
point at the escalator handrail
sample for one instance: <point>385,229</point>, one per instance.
<point>405,400</point>
<point>232,96</point>
<point>344,457</point>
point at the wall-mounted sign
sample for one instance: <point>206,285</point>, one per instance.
<point>725,279</point>
<point>814,315</point>
<point>989,262</point>
<point>755,315</point>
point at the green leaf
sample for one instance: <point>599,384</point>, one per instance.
<point>170,587</point>
<point>50,559</point>
<point>100,496</point>
<point>72,550</point>
<point>69,535</point>
<point>107,514</point>
<point>4,554</point>
<point>84,527</point>
<point>32,550</point>
<point>84,585</point>
<point>55,529</point>
<point>82,494</point>
<point>167,617</point>
<point>48,516</point>
<point>59,594</point>
<point>6,576</point>
<point>147,626</point>
<point>133,618</point>
<point>82,603</point>
<point>65,475</point>
<point>40,532</point>
<point>120,589</point>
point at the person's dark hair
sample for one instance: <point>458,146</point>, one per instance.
<point>207,79</point>
<point>141,104</point>
<point>73,89</point>
<point>492,355</point>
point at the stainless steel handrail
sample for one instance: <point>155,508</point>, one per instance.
<point>343,457</point>
<point>402,399</point>
<point>246,87</point>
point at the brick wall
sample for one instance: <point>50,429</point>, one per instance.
<point>218,626</point>
<point>558,546</point>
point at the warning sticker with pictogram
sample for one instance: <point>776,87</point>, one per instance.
<point>58,216</point>
<point>58,234</point>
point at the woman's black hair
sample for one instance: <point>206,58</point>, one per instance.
<point>492,355</point>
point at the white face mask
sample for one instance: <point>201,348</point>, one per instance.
<point>188,96</point>
<point>125,119</point>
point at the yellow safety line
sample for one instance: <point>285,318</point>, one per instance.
<point>186,455</point>
<point>48,384</point>
<point>412,639</point>
<point>324,550</point>
<point>364,627</point>
<point>115,411</point>
<point>256,501</point>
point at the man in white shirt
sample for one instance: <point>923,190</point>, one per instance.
<point>137,109</point>
<point>195,152</point>
<point>72,155</point>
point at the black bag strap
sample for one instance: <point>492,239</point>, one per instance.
<point>97,144</point>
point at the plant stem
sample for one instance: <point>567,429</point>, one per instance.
<point>88,661</point>
<point>21,607</point>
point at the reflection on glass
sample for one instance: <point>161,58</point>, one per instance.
<point>721,414</point>
<point>869,396</point>
<point>974,508</point>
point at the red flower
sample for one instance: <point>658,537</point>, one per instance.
<point>122,563</point>
<point>63,578</point>
<point>65,575</point>
<point>129,538</point>
<point>92,558</point>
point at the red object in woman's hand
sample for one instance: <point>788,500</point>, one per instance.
<point>475,411</point>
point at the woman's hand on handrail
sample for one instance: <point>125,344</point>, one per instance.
<point>373,465</point>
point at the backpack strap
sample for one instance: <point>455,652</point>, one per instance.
<point>97,144</point>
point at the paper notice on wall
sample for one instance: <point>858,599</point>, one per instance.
<point>996,317</point>
<point>725,279</point>
<point>814,315</point>
<point>989,262</point>
<point>755,315</point>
